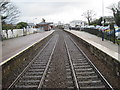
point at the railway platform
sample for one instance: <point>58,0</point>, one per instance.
<point>105,46</point>
<point>13,47</point>
<point>104,50</point>
<point>37,66</point>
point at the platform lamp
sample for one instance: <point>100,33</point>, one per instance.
<point>35,19</point>
<point>35,23</point>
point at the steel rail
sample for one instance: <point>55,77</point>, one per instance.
<point>72,68</point>
<point>47,66</point>
<point>95,68</point>
<point>14,82</point>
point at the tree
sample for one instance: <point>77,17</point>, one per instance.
<point>116,12</point>
<point>21,25</point>
<point>89,14</point>
<point>9,12</point>
<point>107,20</point>
<point>97,22</point>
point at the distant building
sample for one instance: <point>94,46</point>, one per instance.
<point>109,19</point>
<point>31,24</point>
<point>77,23</point>
<point>66,26</point>
<point>44,25</point>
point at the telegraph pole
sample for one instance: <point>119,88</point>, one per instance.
<point>0,28</point>
<point>0,52</point>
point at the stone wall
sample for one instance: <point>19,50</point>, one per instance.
<point>108,60</point>
<point>16,65</point>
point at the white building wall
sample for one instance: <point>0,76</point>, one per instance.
<point>77,23</point>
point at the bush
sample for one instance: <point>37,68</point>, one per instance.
<point>20,25</point>
<point>7,26</point>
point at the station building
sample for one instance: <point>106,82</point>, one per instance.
<point>46,26</point>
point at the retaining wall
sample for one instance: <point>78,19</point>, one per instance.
<point>111,62</point>
<point>13,67</point>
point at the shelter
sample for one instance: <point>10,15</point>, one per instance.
<point>44,25</point>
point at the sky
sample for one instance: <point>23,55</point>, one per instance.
<point>61,10</point>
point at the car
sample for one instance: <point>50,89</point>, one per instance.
<point>105,28</point>
<point>117,33</point>
<point>91,26</point>
<point>97,27</point>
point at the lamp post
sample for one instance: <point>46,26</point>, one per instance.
<point>103,19</point>
<point>35,23</point>
<point>103,12</point>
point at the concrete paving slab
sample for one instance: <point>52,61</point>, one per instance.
<point>12,47</point>
<point>105,46</point>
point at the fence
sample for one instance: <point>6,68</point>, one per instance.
<point>111,36</point>
<point>17,33</point>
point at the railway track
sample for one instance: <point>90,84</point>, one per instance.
<point>33,75</point>
<point>81,71</point>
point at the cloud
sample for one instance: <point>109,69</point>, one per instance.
<point>60,10</point>
<point>45,8</point>
<point>48,0</point>
<point>34,9</point>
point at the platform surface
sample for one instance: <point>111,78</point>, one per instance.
<point>106,46</point>
<point>12,47</point>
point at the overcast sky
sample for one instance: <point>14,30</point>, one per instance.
<point>60,10</point>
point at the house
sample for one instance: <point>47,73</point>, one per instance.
<point>77,23</point>
<point>109,19</point>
